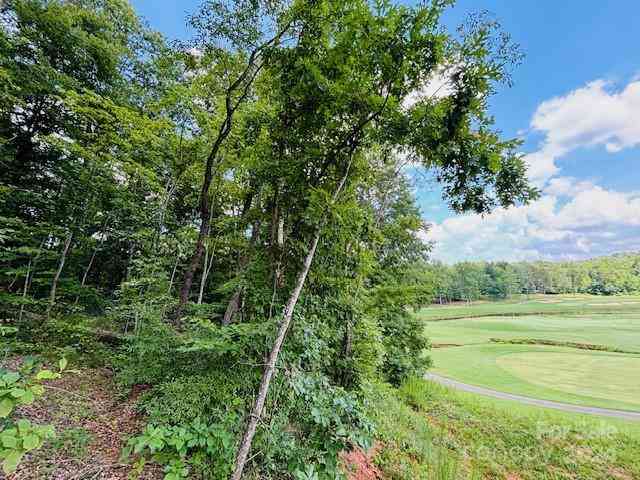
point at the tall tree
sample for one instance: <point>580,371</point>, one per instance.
<point>346,82</point>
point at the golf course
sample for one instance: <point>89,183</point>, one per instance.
<point>576,349</point>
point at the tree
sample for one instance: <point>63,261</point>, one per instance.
<point>345,88</point>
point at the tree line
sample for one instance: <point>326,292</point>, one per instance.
<point>468,281</point>
<point>227,219</point>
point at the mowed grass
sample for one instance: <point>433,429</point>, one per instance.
<point>526,305</point>
<point>620,330</point>
<point>584,377</point>
<point>600,379</point>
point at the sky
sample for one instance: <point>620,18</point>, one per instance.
<point>575,103</point>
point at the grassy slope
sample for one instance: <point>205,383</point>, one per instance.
<point>431,432</point>
<point>577,376</point>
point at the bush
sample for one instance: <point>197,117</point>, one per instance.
<point>210,397</point>
<point>405,345</point>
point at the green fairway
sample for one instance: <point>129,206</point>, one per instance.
<point>526,305</point>
<point>585,377</point>
<point>596,376</point>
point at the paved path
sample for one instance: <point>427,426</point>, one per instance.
<point>566,407</point>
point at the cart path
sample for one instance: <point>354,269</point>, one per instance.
<point>566,407</point>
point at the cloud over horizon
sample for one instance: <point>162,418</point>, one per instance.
<point>574,218</point>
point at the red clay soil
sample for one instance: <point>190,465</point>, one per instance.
<point>358,464</point>
<point>84,402</point>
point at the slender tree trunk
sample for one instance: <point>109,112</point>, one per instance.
<point>347,348</point>
<point>256,412</point>
<point>232,307</point>
<point>86,273</point>
<point>27,281</point>
<point>173,274</point>
<point>242,83</point>
<point>25,288</point>
<point>202,234</point>
<point>91,260</point>
<point>234,304</point>
<point>56,278</point>
<point>206,269</point>
<point>287,315</point>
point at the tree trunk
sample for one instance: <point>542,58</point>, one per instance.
<point>232,307</point>
<point>197,254</point>
<point>206,269</point>
<point>91,260</point>
<point>256,412</point>
<point>347,348</point>
<point>234,303</point>
<point>173,274</point>
<point>243,83</point>
<point>287,315</point>
<point>24,289</point>
<point>56,278</point>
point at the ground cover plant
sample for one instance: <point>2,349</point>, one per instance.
<point>433,432</point>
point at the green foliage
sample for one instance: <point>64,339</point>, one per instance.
<point>17,440</point>
<point>468,281</point>
<point>212,397</point>
<point>368,350</point>
<point>135,168</point>
<point>22,388</point>
<point>172,445</point>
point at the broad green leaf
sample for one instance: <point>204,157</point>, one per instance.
<point>11,377</point>
<point>46,375</point>
<point>6,406</point>
<point>17,392</point>
<point>27,398</point>
<point>62,364</point>
<point>24,425</point>
<point>12,461</point>
<point>29,442</point>
<point>37,389</point>
<point>8,440</point>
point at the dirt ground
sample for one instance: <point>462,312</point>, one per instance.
<point>92,425</point>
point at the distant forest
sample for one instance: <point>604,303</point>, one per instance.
<point>467,281</point>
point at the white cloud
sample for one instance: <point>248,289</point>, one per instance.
<point>438,86</point>
<point>594,221</point>
<point>566,186</point>
<point>594,115</point>
<point>574,218</point>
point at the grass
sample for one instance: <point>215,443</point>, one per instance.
<point>600,379</point>
<point>431,432</point>
<point>533,304</point>
<point>620,330</point>
<point>561,373</point>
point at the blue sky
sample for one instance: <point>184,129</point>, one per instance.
<point>575,103</point>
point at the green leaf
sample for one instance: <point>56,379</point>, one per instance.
<point>12,461</point>
<point>17,392</point>
<point>24,425</point>
<point>27,398</point>
<point>62,364</point>
<point>11,377</point>
<point>8,440</point>
<point>6,406</point>
<point>46,375</point>
<point>30,442</point>
<point>37,389</point>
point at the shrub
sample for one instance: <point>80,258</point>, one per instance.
<point>21,388</point>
